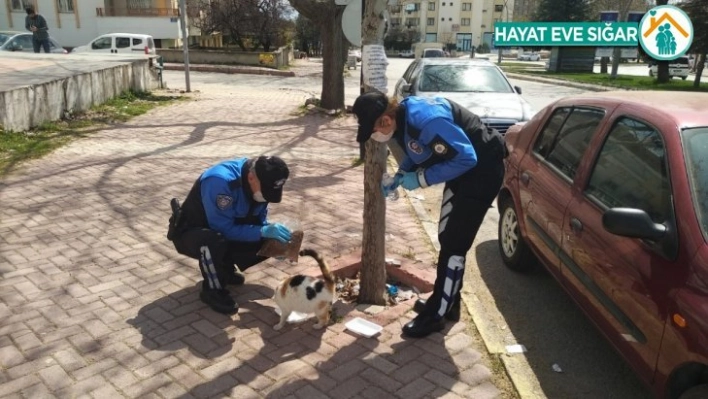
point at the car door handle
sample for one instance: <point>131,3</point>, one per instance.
<point>576,225</point>
<point>525,178</point>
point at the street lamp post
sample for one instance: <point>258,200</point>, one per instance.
<point>501,13</point>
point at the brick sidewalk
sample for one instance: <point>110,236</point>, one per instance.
<point>95,302</point>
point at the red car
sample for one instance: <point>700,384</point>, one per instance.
<point>609,192</point>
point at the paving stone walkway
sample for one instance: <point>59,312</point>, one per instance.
<point>95,302</point>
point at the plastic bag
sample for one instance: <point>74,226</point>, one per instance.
<point>290,250</point>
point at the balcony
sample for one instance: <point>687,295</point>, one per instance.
<point>137,12</point>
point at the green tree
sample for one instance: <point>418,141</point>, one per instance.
<point>307,35</point>
<point>563,11</point>
<point>697,10</point>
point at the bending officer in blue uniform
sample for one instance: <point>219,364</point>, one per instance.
<point>223,221</point>
<point>444,143</point>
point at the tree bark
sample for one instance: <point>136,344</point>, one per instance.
<point>332,96</point>
<point>700,62</point>
<point>328,16</point>
<point>373,257</point>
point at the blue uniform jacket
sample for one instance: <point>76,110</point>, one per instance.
<point>228,206</point>
<point>441,151</point>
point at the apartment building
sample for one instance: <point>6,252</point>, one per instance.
<point>464,23</point>
<point>77,22</point>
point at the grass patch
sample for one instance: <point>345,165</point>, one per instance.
<point>621,81</point>
<point>16,147</point>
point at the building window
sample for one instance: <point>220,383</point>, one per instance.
<point>395,9</point>
<point>431,21</point>
<point>499,8</point>
<point>443,3</point>
<point>466,6</point>
<point>395,21</point>
<point>20,5</point>
<point>65,6</point>
<point>431,6</point>
<point>412,22</point>
<point>137,4</point>
<point>465,21</point>
<point>450,4</point>
<point>442,19</point>
<point>449,19</point>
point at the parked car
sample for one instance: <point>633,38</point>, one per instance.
<point>609,191</point>
<point>433,53</point>
<point>677,68</point>
<point>355,53</point>
<point>22,41</point>
<point>528,56</point>
<point>406,54</point>
<point>476,84</point>
<point>115,43</point>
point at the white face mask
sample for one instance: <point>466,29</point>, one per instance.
<point>258,197</point>
<point>380,137</point>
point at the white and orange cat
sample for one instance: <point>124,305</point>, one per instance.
<point>305,294</point>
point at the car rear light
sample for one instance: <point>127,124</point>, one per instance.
<point>147,50</point>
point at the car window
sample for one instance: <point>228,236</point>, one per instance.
<point>463,78</point>
<point>25,41</point>
<point>137,42</point>
<point>102,43</point>
<point>3,38</point>
<point>695,144</point>
<point>550,131</point>
<point>151,43</point>
<point>122,42</point>
<point>569,145</point>
<point>631,171</point>
<point>409,72</point>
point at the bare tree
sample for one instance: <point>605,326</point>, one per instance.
<point>373,259</point>
<point>249,24</point>
<point>328,16</point>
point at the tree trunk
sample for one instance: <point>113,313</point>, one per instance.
<point>662,67</point>
<point>373,256</point>
<point>603,64</point>
<point>332,64</point>
<point>700,62</point>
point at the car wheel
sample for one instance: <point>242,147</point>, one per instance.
<point>512,247</point>
<point>697,392</point>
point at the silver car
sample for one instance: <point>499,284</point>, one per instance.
<point>478,85</point>
<point>22,41</point>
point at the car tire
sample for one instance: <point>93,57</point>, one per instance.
<point>513,249</point>
<point>697,392</point>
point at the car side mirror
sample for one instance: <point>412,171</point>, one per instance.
<point>634,223</point>
<point>406,88</point>
<point>15,47</point>
<point>518,89</point>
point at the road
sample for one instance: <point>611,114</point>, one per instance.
<point>508,308</point>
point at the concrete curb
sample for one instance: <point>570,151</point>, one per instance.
<point>229,70</point>
<point>560,82</point>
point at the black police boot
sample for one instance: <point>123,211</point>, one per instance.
<point>219,300</point>
<point>453,314</point>
<point>422,326</point>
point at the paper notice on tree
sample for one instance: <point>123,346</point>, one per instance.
<point>373,67</point>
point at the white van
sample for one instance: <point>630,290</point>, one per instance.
<point>119,43</point>
<point>677,68</point>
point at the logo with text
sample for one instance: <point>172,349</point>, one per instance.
<point>508,34</point>
<point>666,32</point>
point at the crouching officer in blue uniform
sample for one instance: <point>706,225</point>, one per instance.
<point>444,143</point>
<point>223,221</point>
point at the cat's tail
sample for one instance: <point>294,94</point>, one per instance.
<point>324,267</point>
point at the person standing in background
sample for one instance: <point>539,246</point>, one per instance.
<point>40,31</point>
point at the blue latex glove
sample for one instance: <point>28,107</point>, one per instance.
<point>410,181</point>
<point>276,231</point>
<point>387,189</point>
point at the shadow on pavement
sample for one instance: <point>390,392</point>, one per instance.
<point>542,317</point>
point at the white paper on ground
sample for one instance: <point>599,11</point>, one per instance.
<point>515,349</point>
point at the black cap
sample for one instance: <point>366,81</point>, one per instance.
<point>368,107</point>
<point>272,172</point>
